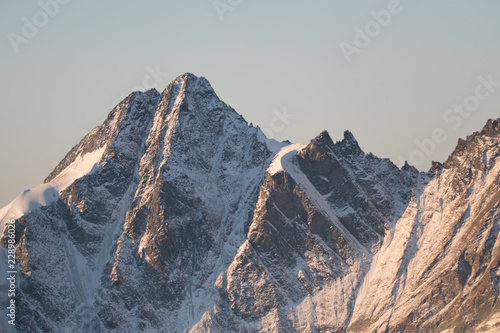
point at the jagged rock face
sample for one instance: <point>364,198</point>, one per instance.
<point>437,269</point>
<point>138,242</point>
<point>198,183</point>
<point>366,192</point>
<point>175,215</point>
<point>62,243</point>
<point>300,251</point>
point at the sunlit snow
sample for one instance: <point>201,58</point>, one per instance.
<point>44,194</point>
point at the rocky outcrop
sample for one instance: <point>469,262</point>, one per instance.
<point>175,215</point>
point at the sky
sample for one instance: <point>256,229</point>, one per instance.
<point>407,78</point>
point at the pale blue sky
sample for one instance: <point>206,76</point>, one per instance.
<point>264,56</point>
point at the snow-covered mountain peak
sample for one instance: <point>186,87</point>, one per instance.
<point>176,215</point>
<point>349,145</point>
<point>320,144</point>
<point>191,84</point>
<point>323,137</point>
<point>479,150</point>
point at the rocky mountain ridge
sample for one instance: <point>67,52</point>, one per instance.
<point>175,215</point>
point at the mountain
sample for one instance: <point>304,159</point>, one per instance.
<point>176,215</point>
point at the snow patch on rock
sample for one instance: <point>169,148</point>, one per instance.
<point>44,194</point>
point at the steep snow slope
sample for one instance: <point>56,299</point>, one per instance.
<point>46,193</point>
<point>198,182</point>
<point>300,267</point>
<point>156,220</point>
<point>437,269</point>
<point>175,215</point>
<point>63,245</point>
